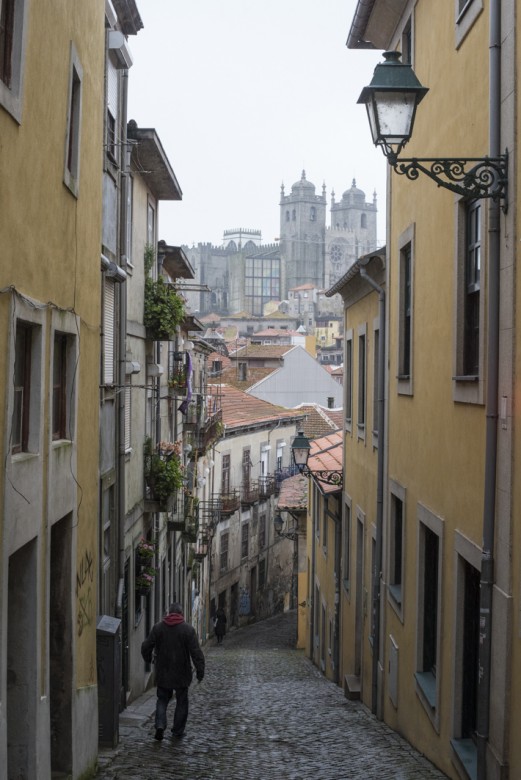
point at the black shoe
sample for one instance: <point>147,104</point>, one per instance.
<point>178,733</point>
<point>159,734</point>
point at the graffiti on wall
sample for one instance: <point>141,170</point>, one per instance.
<point>84,591</point>
<point>244,602</point>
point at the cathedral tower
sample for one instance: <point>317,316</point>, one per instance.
<point>302,235</point>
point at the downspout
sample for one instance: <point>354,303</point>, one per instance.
<point>377,569</point>
<point>489,501</point>
<point>338,543</point>
<point>312,585</point>
<point>122,344</point>
<point>157,593</point>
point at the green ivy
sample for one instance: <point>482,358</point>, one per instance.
<point>164,474</point>
<point>164,307</point>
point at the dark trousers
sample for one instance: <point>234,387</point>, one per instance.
<point>181,708</point>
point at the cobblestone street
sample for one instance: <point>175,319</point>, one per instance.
<point>263,711</point>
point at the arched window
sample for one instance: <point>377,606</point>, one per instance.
<point>363,221</point>
<point>313,214</point>
<point>287,216</point>
<point>293,215</point>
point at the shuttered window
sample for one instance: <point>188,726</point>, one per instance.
<point>128,415</point>
<point>108,332</point>
<point>112,109</point>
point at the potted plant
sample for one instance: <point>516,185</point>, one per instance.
<point>164,307</point>
<point>177,381</point>
<point>145,579</point>
<point>145,551</point>
<point>163,473</point>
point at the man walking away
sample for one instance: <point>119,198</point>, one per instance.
<point>176,646</point>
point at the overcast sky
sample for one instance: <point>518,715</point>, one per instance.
<point>244,95</point>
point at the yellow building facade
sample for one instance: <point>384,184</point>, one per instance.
<point>450,491</point>
<point>51,126</point>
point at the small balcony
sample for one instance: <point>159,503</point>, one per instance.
<point>230,502</point>
<point>267,486</point>
<point>250,493</point>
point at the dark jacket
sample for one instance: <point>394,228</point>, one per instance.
<point>176,646</point>
<point>220,622</point>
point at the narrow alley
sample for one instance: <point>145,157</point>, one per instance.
<point>263,711</point>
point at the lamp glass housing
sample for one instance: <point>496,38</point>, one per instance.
<point>391,117</point>
<point>278,522</point>
<point>300,449</point>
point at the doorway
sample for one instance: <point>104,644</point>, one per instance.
<point>60,647</point>
<point>22,683</point>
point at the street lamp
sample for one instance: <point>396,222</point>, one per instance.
<point>300,449</point>
<point>391,100</point>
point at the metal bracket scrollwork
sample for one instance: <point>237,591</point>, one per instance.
<point>486,178</point>
<point>329,477</point>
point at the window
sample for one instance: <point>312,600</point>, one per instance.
<point>293,215</point>
<point>13,32</point>
<point>245,540</point>
<point>312,214</point>
<point>22,388</point>
<point>72,147</point>
<point>363,221</point>
<point>325,521</point>
<point>225,475</point>
<point>59,388</point>
<point>376,343</point>
<point>396,543</point>
<point>246,468</point>
<point>108,331</point>
<point>348,378</point>
<point>262,573</point>
<point>469,310</point>
<point>128,414</point>
<point>223,561</point>
<point>429,618</point>
<point>361,380</point>
<point>472,290</point>
<point>112,110</point>
<point>466,11</point>
<point>262,532</point>
<point>346,544</point>
<point>407,43</point>
<point>405,312</point>
<point>130,209</point>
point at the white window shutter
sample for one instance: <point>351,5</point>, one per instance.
<point>108,332</point>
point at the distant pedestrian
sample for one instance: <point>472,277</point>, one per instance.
<point>176,646</point>
<point>220,625</point>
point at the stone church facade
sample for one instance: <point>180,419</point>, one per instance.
<point>245,275</point>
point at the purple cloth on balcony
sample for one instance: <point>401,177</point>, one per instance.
<point>184,406</point>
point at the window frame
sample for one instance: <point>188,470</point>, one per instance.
<point>464,18</point>
<point>405,357</point>
<point>224,541</point>
<point>468,388</point>
<point>11,95</point>
<point>348,380</point>
<point>245,540</point>
<point>376,346</point>
<point>346,543</point>
<point>71,169</point>
<point>361,416</point>
<point>22,386</point>
<point>428,684</point>
<point>396,589</point>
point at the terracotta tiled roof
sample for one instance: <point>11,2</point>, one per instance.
<point>307,286</point>
<point>327,454</point>
<point>230,375</point>
<point>240,409</point>
<point>320,421</point>
<point>294,493</point>
<point>275,332</point>
<point>262,351</point>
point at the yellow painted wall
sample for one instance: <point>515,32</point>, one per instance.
<point>436,446</point>
<point>51,245</point>
<point>360,488</point>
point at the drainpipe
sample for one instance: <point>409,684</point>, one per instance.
<point>157,591</point>
<point>489,500</point>
<point>336,647</point>
<point>122,344</point>
<point>312,584</point>
<point>377,569</point>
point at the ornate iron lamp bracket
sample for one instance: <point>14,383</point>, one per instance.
<point>487,177</point>
<point>329,477</point>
